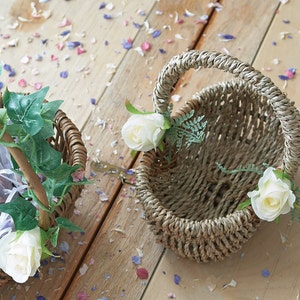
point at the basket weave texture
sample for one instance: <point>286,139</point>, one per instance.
<point>68,141</point>
<point>190,204</point>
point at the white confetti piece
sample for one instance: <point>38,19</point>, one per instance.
<point>176,98</point>
<point>179,36</point>
<point>83,269</point>
<point>232,283</point>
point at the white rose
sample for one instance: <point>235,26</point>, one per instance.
<point>273,197</point>
<point>21,254</point>
<point>143,132</point>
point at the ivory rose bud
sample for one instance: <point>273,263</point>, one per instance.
<point>273,197</point>
<point>143,132</point>
<point>21,254</point>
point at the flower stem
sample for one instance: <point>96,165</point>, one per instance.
<point>32,178</point>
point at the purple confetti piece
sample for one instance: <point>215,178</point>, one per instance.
<point>142,13</point>
<point>162,51</point>
<point>156,33</point>
<point>1,85</point>
<point>129,172</point>
<point>72,45</point>
<point>127,44</point>
<point>64,74</point>
<point>44,41</point>
<point>107,17</point>
<point>102,5</point>
<point>40,298</point>
<point>136,259</point>
<point>274,43</point>
<point>286,21</point>
<point>177,279</point>
<point>136,25</point>
<point>93,101</point>
<point>265,273</point>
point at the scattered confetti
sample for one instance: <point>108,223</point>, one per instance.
<point>265,273</point>
<point>146,46</point>
<point>82,295</point>
<point>177,279</point>
<point>127,44</point>
<point>156,33</point>
<point>232,283</point>
<point>225,37</point>
<point>83,269</point>
<point>22,83</point>
<point>136,259</point>
<point>64,74</point>
<point>142,273</point>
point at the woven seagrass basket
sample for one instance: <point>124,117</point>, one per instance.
<point>190,204</point>
<point>68,141</point>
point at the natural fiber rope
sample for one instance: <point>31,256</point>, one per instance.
<point>189,203</point>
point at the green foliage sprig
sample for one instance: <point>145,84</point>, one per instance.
<point>26,124</point>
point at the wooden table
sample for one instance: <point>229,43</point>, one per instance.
<point>94,82</point>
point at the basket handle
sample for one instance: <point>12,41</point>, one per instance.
<point>284,109</point>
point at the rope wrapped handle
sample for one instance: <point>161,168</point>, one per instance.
<point>283,108</point>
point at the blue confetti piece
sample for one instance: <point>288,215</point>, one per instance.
<point>283,77</point>
<point>156,33</point>
<point>127,44</point>
<point>162,51</point>
<point>265,273</point>
<point>72,45</point>
<point>107,17</point>
<point>64,74</point>
<point>64,33</point>
<point>7,67</point>
<point>129,172</point>
<point>93,101</point>
<point>12,73</point>
<point>177,279</point>
<point>44,41</point>
<point>136,259</point>
<point>226,37</point>
<point>40,298</point>
<point>1,85</point>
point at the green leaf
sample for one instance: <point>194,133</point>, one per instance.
<point>3,116</point>
<point>134,110</point>
<point>244,204</point>
<point>53,234</point>
<point>26,109</point>
<point>67,224</point>
<point>22,212</point>
<point>61,172</point>
<point>48,112</point>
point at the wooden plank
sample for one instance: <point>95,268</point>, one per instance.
<point>267,266</point>
<point>134,80</point>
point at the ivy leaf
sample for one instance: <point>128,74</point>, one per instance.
<point>48,112</point>
<point>22,212</point>
<point>53,234</point>
<point>26,109</point>
<point>67,224</point>
<point>62,172</point>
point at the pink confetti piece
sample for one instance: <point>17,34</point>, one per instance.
<point>80,50</point>
<point>37,86</point>
<point>65,22</point>
<point>82,295</point>
<point>22,83</point>
<point>60,46</point>
<point>142,273</point>
<point>146,46</point>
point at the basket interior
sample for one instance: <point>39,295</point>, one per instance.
<point>241,130</point>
